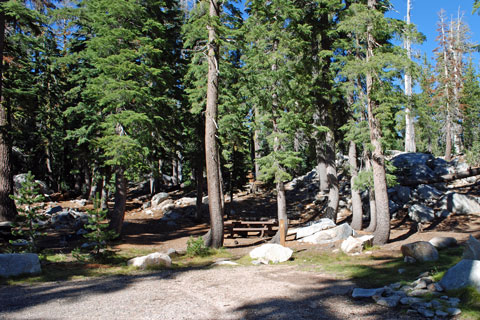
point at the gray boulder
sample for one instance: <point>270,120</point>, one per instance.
<point>420,251</point>
<point>53,210</point>
<point>443,242</point>
<point>425,192</point>
<point>14,264</point>
<point>465,273</point>
<point>271,252</point>
<point>319,225</point>
<point>421,213</point>
<point>340,232</point>
<point>462,204</point>
<point>472,249</point>
<point>159,198</point>
<point>399,194</point>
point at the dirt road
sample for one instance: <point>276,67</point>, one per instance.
<point>256,292</point>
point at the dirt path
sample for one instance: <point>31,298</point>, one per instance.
<point>256,292</point>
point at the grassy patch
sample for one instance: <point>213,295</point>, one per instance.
<point>375,271</point>
<point>469,302</point>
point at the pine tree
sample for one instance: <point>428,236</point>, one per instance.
<point>274,47</point>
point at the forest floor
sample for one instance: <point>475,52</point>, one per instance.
<point>315,285</point>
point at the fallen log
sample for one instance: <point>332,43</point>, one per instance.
<point>470,172</point>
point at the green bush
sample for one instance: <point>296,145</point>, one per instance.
<point>99,234</point>
<point>197,248</point>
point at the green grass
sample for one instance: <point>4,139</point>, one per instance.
<point>375,271</point>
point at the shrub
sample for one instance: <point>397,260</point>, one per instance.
<point>28,203</point>
<point>197,247</point>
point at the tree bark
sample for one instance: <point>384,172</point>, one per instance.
<point>410,145</point>
<point>118,214</point>
<point>333,194</point>
<point>382,231</point>
<point>105,191</point>
<point>256,143</point>
<point>320,152</point>
<point>357,213</point>
<point>211,149</point>
<point>8,211</point>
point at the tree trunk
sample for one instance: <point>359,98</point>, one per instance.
<point>118,214</point>
<point>320,153</point>
<point>211,149</point>
<point>372,225</point>
<point>382,231</point>
<point>357,213</point>
<point>448,136</point>
<point>105,191</point>
<point>256,143</point>
<point>409,127</point>
<point>333,195</point>
<point>8,211</point>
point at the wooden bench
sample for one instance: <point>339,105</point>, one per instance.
<point>242,228</point>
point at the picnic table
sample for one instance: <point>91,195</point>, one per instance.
<point>243,228</point>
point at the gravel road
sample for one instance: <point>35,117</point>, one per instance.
<point>256,292</point>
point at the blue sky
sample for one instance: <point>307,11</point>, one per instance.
<point>424,15</point>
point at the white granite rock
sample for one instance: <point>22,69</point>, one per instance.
<point>319,225</point>
<point>151,260</point>
<point>271,252</point>
<point>354,245</point>
<point>340,232</point>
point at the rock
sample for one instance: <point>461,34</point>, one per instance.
<point>443,242</point>
<point>63,217</point>
<point>420,251</point>
<point>453,302</point>
<point>442,213</point>
<point>454,311</point>
<point>53,210</point>
<point>14,264</point>
<point>421,285</point>
<point>80,202</point>
<point>391,301</point>
<point>399,194</point>
<point>410,300</point>
<point>418,292</point>
<point>271,252</point>
<point>421,213</point>
<point>393,207</point>
<point>352,245</point>
<point>340,232</point>
<point>472,249</point>
<point>462,204</point>
<point>408,259</point>
<point>172,253</point>
<point>425,192</point>
<point>435,287</point>
<point>19,179</point>
<point>464,273</point>
<point>159,198</point>
<point>426,312</point>
<point>366,293</point>
<point>152,260</point>
<point>259,261</point>
<point>166,205</point>
<point>319,225</point>
<point>441,313</point>
<point>401,270</point>
<point>186,201</point>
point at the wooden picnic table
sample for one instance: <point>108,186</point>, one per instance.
<point>242,228</point>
